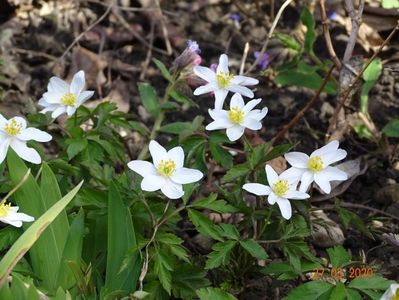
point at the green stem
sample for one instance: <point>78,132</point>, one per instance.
<point>75,120</point>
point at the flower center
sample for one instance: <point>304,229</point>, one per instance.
<point>236,115</point>
<point>13,127</point>
<point>315,164</point>
<point>396,296</point>
<point>280,188</point>
<point>68,99</point>
<point>4,209</point>
<point>166,168</point>
<point>224,79</point>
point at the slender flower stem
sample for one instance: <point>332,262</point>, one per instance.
<point>17,186</point>
<point>75,119</point>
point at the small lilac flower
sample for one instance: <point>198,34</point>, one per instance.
<point>190,56</point>
<point>235,17</point>
<point>264,61</point>
<point>193,46</point>
<point>332,15</point>
<point>213,67</point>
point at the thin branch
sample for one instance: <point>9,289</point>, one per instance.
<point>244,58</point>
<point>301,113</point>
<point>327,36</point>
<point>268,37</point>
<point>356,19</point>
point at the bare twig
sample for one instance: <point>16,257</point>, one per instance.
<point>244,58</point>
<point>35,53</point>
<point>300,114</point>
<point>164,30</point>
<point>356,17</point>
<point>327,36</point>
<point>346,93</point>
<point>149,52</point>
<point>110,5</point>
<point>270,34</point>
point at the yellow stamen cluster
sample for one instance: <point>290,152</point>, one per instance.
<point>224,79</point>
<point>13,127</point>
<point>166,168</point>
<point>4,209</point>
<point>315,164</point>
<point>68,99</point>
<point>236,115</point>
<point>396,296</point>
<point>281,187</point>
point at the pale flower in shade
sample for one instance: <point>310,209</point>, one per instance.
<point>280,190</point>
<point>222,81</point>
<point>239,117</point>
<point>62,97</point>
<point>14,134</point>
<point>10,215</point>
<point>166,172</point>
<point>392,293</point>
<point>317,167</point>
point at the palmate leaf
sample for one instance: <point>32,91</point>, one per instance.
<point>46,253</point>
<point>33,234</point>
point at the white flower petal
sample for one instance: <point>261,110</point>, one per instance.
<point>78,83</point>
<point>235,132</point>
<point>306,180</point>
<point>186,175</point>
<point>177,155</point>
<point>205,73</point>
<point>219,114</point>
<point>245,80</point>
<point>209,87</point>
<point>272,199</point>
<point>142,167</point>
<point>330,147</point>
<point>251,105</point>
<point>152,183</point>
<point>292,194</point>
<point>390,292</point>
<point>34,134</point>
<point>235,88</point>
<point>84,96</point>
<point>70,110</point>
<point>333,173</point>
<point>158,152</point>
<point>297,159</point>
<point>3,121</point>
<point>293,175</point>
<point>237,101</point>
<point>58,85</point>
<point>13,223</point>
<point>172,190</point>
<point>257,189</point>
<point>219,124</point>
<point>15,216</point>
<point>272,176</point>
<point>220,95</point>
<point>333,157</point>
<point>322,182</point>
<point>21,121</point>
<point>257,114</point>
<point>223,65</point>
<point>285,208</point>
<point>4,149</point>
<point>252,124</point>
<point>52,97</point>
<point>58,111</point>
<point>24,152</point>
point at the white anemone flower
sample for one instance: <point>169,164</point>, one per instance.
<point>392,293</point>
<point>239,117</point>
<point>14,134</point>
<point>317,167</point>
<point>281,188</point>
<point>10,215</point>
<point>166,172</point>
<point>62,97</point>
<point>222,81</point>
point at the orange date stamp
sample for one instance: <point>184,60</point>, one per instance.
<point>342,273</point>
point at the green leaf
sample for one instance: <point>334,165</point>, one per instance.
<point>288,41</point>
<point>186,280</point>
<point>236,172</point>
<point>353,295</point>
<point>32,234</point>
<point>229,231</point>
<point>163,69</point>
<point>121,238</point>
<point>257,156</point>
<point>370,283</point>
<point>163,269</point>
<point>370,77</point>
<point>8,236</point>
<point>392,129</point>
<point>140,294</point>
<point>214,294</point>
<point>75,146</point>
<point>72,252</point>
<point>204,225</point>
<point>311,290</point>
<point>390,4</point>
<point>149,98</point>
<point>176,127</point>
<point>220,155</point>
<point>221,254</point>
<point>278,151</point>
<point>339,257</point>
<point>181,98</point>
<point>254,248</point>
<point>211,203</point>
<point>310,36</point>
<point>338,292</point>
<point>32,201</point>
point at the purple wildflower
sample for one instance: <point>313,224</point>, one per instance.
<point>235,17</point>
<point>263,61</point>
<point>193,46</point>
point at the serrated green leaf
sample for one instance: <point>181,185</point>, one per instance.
<point>254,249</point>
<point>338,292</point>
<point>221,254</point>
<point>220,155</point>
<point>236,172</point>
<point>258,155</point>
<point>204,225</point>
<point>176,127</point>
<point>149,98</point>
<point>311,290</point>
<point>214,294</point>
<point>229,231</point>
<point>370,283</point>
<point>339,257</point>
<point>211,203</point>
<point>75,146</point>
